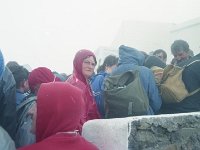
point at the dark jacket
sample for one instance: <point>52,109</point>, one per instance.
<point>8,103</point>
<point>131,59</point>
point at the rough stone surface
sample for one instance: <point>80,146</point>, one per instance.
<point>166,132</point>
<point>161,132</point>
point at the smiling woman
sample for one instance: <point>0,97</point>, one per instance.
<point>84,64</point>
<point>88,66</point>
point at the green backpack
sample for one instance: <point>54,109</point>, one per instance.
<point>125,96</point>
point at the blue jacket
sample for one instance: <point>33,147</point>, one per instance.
<point>2,67</point>
<point>97,90</point>
<point>131,59</point>
<point>20,97</point>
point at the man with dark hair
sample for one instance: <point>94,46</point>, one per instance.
<point>181,51</point>
<point>190,76</point>
<point>12,65</point>
<point>21,78</point>
<point>160,53</point>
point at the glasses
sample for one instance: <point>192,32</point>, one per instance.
<point>89,63</point>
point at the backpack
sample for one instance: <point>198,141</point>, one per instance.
<point>24,122</point>
<point>125,96</point>
<point>172,87</point>
<point>158,73</point>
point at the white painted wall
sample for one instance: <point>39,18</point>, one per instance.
<point>108,134</point>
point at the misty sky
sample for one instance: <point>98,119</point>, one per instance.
<point>49,32</point>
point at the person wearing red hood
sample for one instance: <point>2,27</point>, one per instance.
<point>38,76</point>
<point>35,79</point>
<point>83,68</point>
<point>56,117</point>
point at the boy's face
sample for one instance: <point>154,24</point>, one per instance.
<point>161,56</point>
<point>26,86</point>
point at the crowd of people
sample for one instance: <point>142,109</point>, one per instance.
<point>61,104</point>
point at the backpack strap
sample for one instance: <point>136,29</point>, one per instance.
<point>137,67</point>
<point>198,89</point>
<point>191,63</point>
<point>194,92</point>
<point>146,59</point>
<point>30,99</point>
<point>22,109</point>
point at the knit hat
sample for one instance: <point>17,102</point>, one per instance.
<point>40,75</point>
<point>2,67</point>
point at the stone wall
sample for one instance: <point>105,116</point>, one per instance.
<point>161,132</point>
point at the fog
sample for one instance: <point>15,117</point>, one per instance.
<point>49,32</point>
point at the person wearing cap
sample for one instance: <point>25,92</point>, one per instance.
<point>38,76</point>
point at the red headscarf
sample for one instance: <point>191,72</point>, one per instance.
<point>40,75</point>
<point>59,109</point>
<point>78,61</point>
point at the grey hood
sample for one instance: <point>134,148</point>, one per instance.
<point>128,55</point>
